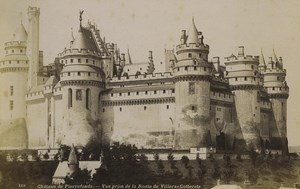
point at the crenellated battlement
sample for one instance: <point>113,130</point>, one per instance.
<point>244,59</point>
<point>14,44</point>
<point>274,71</point>
<point>142,77</point>
<point>200,47</point>
<point>70,52</point>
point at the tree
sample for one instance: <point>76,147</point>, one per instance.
<point>201,173</point>
<point>253,156</point>
<point>171,160</point>
<point>24,156</point>
<point>79,177</point>
<point>185,161</point>
<point>239,157</point>
<point>160,167</point>
<point>156,157</point>
<point>216,170</point>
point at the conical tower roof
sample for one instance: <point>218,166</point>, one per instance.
<point>21,34</point>
<point>193,34</point>
<point>275,57</point>
<point>72,160</point>
<point>262,62</point>
<point>84,40</point>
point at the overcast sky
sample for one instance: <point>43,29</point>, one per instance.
<point>155,25</point>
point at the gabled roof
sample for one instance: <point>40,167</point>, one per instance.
<point>51,81</point>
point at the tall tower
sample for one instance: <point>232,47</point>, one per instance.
<point>278,93</point>
<point>192,75</point>
<point>244,80</point>
<point>82,80</point>
<point>33,46</point>
<point>13,88</point>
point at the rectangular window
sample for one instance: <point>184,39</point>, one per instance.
<point>195,68</point>
<point>11,90</point>
<point>89,73</point>
<point>173,90</point>
<point>128,93</point>
<point>79,60</point>
<point>193,107</point>
<point>79,73</point>
<point>103,110</point>
<point>120,94</point>
<point>245,78</point>
<point>186,68</point>
<point>164,91</point>
<point>190,55</point>
<point>137,93</point>
<point>145,107</point>
<point>236,79</point>
<point>146,92</point>
<point>78,94</point>
<point>178,69</point>
<point>111,94</point>
<point>204,68</point>
<point>71,60</point>
<point>191,88</point>
<point>154,92</point>
<point>69,73</point>
<point>11,105</point>
<point>120,109</point>
<point>86,60</point>
<point>167,106</point>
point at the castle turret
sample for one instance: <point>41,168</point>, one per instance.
<point>244,80</point>
<point>14,73</point>
<point>278,93</point>
<point>192,75</point>
<point>13,82</point>
<point>33,46</point>
<point>82,80</point>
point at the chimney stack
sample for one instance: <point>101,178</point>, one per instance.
<point>241,51</point>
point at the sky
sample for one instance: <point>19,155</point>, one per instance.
<point>142,25</point>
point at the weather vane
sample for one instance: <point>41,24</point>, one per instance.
<point>80,15</point>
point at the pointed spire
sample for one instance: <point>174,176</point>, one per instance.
<point>262,63</point>
<point>72,160</point>
<point>275,57</point>
<point>21,34</point>
<point>193,34</point>
<point>129,58</point>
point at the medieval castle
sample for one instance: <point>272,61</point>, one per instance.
<point>93,94</point>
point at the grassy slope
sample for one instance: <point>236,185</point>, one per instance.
<point>270,175</point>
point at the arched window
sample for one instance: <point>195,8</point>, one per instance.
<point>87,98</point>
<point>70,98</point>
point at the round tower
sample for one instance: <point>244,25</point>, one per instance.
<point>192,75</point>
<point>82,80</point>
<point>244,79</point>
<point>13,77</point>
<point>278,93</point>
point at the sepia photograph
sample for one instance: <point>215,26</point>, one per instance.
<point>179,94</point>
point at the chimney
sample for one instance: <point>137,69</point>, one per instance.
<point>150,56</point>
<point>241,51</point>
<point>183,36</point>
<point>216,62</point>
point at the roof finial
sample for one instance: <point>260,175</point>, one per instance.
<point>80,16</point>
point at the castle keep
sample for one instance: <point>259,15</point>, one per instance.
<point>93,94</point>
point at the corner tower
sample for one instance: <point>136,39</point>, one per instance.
<point>13,82</point>
<point>192,76</point>
<point>82,80</point>
<point>278,93</point>
<point>244,79</point>
<point>33,45</point>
